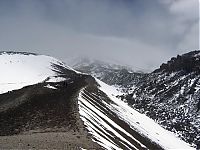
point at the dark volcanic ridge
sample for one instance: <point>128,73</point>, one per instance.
<point>47,107</point>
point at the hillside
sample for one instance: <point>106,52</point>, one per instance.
<point>57,107</point>
<point>169,95</point>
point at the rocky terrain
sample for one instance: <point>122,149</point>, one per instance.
<point>169,95</point>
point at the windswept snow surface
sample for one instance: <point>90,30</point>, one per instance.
<point>18,70</point>
<point>101,129</point>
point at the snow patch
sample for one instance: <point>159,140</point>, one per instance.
<point>50,87</point>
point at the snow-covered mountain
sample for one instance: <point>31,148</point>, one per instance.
<point>51,106</point>
<point>169,95</point>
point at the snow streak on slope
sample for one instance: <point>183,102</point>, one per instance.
<point>102,127</point>
<point>106,129</point>
<point>19,70</point>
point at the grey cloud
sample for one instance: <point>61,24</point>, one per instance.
<point>186,14</point>
<point>140,33</point>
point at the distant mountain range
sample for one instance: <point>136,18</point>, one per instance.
<point>111,74</point>
<point>45,104</point>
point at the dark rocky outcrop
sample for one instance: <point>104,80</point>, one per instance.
<point>189,62</point>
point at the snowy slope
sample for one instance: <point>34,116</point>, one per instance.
<point>19,70</point>
<point>95,109</point>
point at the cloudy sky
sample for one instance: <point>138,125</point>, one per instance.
<point>139,33</point>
